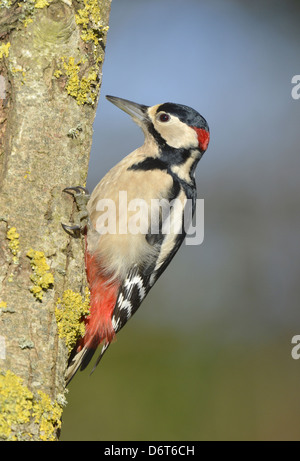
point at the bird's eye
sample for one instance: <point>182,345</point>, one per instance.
<point>164,117</point>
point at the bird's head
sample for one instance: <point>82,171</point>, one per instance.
<point>172,125</point>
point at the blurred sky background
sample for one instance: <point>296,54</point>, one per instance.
<point>208,355</point>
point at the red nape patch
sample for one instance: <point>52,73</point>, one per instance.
<point>203,138</point>
<point>98,326</point>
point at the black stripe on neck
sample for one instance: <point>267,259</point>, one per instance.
<point>168,154</point>
<point>150,163</point>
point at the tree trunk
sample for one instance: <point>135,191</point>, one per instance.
<point>51,54</point>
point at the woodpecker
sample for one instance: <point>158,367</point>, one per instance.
<point>122,266</point>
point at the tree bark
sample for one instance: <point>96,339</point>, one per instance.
<point>51,54</point>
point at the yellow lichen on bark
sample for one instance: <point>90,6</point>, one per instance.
<point>15,404</point>
<point>84,89</point>
<point>70,310</point>
<point>4,50</point>
<point>13,237</point>
<point>41,276</point>
<point>19,406</point>
<point>41,3</point>
<point>89,18</point>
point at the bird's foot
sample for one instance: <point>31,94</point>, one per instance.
<point>81,196</point>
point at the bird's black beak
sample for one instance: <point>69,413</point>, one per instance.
<point>137,111</point>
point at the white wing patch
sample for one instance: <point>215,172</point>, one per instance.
<point>132,293</point>
<point>136,280</point>
<point>125,305</point>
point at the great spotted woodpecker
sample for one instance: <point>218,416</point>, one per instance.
<point>122,266</point>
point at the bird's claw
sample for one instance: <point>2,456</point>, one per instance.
<point>71,230</point>
<point>77,189</point>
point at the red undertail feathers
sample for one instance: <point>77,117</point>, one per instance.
<point>98,325</point>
